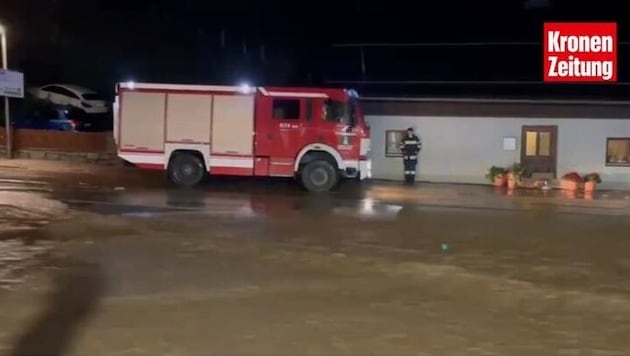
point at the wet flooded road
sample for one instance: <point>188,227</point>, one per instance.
<point>159,271</point>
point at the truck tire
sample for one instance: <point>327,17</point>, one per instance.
<point>319,176</point>
<point>186,169</point>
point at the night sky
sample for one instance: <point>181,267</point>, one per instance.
<point>96,43</point>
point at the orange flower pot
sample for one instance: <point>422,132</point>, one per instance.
<point>569,185</point>
<point>589,187</point>
<point>512,183</point>
<point>499,181</point>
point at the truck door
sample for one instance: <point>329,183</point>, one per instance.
<point>279,135</point>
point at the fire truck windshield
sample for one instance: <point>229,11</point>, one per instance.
<point>340,112</point>
<point>336,111</point>
<point>352,112</point>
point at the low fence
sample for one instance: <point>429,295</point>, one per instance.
<point>60,145</point>
<point>59,140</point>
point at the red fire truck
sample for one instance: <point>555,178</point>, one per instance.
<point>318,136</point>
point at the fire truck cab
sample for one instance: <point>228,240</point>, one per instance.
<point>318,136</point>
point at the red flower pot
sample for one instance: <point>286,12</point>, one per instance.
<point>570,185</point>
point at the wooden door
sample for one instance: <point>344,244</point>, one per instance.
<point>539,150</point>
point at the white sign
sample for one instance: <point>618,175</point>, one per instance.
<point>11,84</point>
<point>509,143</point>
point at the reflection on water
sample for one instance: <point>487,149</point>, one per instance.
<point>76,291</point>
<point>561,194</point>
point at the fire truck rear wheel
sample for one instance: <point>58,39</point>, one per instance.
<point>319,176</point>
<point>186,169</point>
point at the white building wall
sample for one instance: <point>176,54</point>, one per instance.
<point>461,149</point>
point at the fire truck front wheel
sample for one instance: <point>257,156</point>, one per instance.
<point>186,169</point>
<point>319,176</point>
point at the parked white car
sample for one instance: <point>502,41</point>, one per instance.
<point>72,95</point>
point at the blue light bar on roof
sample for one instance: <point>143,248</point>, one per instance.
<point>352,93</point>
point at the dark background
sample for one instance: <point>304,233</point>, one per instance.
<point>97,43</point>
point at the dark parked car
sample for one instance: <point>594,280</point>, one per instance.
<point>41,115</point>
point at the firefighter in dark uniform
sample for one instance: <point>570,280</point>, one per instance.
<point>410,146</point>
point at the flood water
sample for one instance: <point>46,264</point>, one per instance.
<point>159,271</point>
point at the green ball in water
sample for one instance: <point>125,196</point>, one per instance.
<point>444,247</point>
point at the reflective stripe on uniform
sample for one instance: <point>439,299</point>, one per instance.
<point>410,142</point>
<point>411,173</point>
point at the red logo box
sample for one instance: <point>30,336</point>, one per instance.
<point>580,52</point>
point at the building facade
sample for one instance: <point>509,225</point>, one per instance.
<point>462,138</point>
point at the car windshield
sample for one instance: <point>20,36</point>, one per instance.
<point>91,96</point>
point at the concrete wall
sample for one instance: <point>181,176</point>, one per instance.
<point>461,149</point>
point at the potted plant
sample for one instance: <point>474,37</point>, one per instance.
<point>514,175</point>
<point>497,176</point>
<point>591,181</point>
<point>570,181</point>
